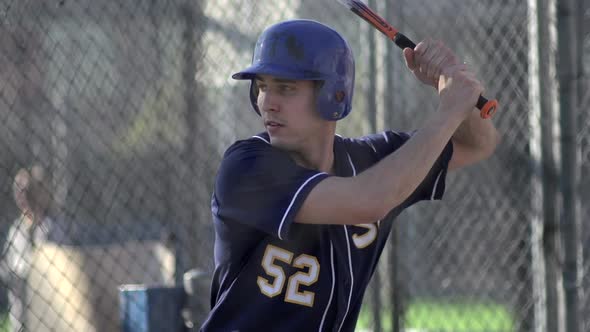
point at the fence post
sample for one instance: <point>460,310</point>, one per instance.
<point>389,119</point>
<point>583,94</point>
<point>372,117</point>
<point>546,78</point>
<point>566,19</point>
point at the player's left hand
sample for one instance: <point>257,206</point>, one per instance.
<point>428,60</point>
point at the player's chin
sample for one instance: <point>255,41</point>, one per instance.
<point>281,142</point>
<point>278,142</point>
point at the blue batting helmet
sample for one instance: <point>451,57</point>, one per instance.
<point>306,50</point>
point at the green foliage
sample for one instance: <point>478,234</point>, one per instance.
<point>4,321</point>
<point>426,316</point>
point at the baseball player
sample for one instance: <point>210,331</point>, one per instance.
<point>301,214</point>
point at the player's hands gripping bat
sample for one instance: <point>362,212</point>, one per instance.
<point>487,107</point>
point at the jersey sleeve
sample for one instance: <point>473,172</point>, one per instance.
<point>433,185</point>
<point>261,187</point>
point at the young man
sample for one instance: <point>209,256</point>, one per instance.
<point>302,215</point>
<point>33,198</point>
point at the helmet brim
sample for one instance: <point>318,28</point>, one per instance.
<point>278,71</point>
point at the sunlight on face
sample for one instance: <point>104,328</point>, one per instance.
<point>288,111</point>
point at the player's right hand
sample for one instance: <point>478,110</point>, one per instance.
<point>428,60</point>
<point>458,89</point>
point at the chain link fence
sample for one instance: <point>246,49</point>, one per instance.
<point>583,138</point>
<point>465,264</point>
<point>121,111</point>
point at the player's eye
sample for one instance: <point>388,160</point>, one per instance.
<point>261,86</point>
<point>286,88</point>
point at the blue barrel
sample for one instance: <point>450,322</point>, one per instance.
<point>151,309</point>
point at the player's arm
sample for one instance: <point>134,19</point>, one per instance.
<point>475,140</point>
<point>370,195</point>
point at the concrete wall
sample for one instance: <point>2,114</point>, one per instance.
<point>75,288</point>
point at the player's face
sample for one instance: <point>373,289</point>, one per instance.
<point>288,110</point>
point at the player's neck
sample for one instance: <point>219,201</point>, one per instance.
<point>319,161</point>
<point>318,154</point>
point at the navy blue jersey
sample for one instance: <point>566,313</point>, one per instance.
<point>272,274</point>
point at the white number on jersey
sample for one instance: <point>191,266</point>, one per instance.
<point>305,278</point>
<point>364,240</point>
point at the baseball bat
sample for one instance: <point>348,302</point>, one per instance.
<point>487,107</point>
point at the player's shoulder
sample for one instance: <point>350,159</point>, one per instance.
<point>382,142</point>
<point>261,139</point>
<point>253,151</point>
<point>250,146</point>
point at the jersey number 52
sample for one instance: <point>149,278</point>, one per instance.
<point>305,277</point>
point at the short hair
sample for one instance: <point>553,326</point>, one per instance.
<point>31,190</point>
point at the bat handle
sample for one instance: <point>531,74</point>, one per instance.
<point>403,42</point>
<point>487,107</point>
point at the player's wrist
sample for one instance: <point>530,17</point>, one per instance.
<point>453,113</point>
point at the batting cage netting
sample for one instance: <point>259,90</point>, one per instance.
<point>114,116</point>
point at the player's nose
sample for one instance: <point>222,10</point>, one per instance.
<point>268,102</point>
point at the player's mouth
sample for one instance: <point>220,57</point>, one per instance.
<point>272,124</point>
